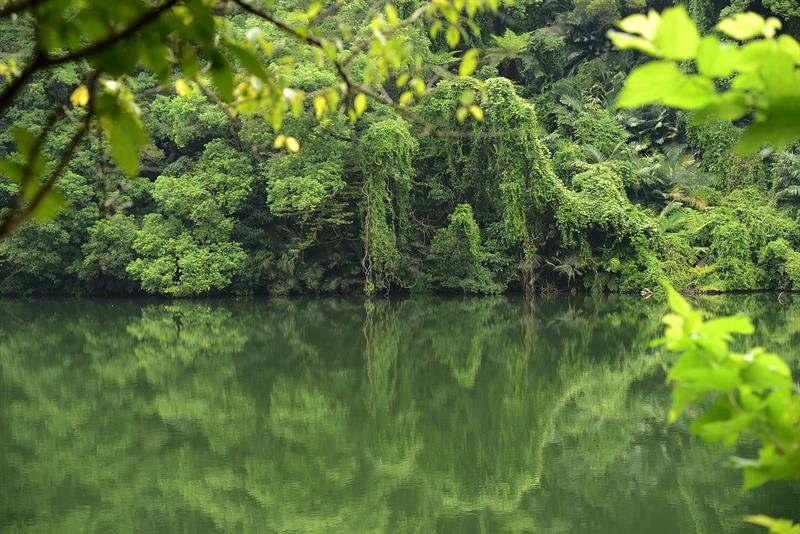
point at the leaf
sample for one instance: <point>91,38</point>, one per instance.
<point>360,104</point>
<point>292,145</point>
<point>182,88</point>
<point>250,61</point>
<point>790,46</point>
<point>320,106</point>
<point>468,63</point>
<point>695,93</point>
<point>391,14</point>
<point>650,83</point>
<point>405,99</point>
<point>677,36</point>
<point>677,302</point>
<point>624,41</point>
<point>476,112</point>
<point>125,136</point>
<point>737,324</point>
<point>778,129</point>
<point>743,26</point>
<point>452,36</point>
<point>12,170</point>
<point>716,60</point>
<point>760,520</point>
<point>728,107</point>
<point>755,477</point>
<point>222,76</point>
<point>52,202</point>
<point>644,25</point>
<point>80,96</point>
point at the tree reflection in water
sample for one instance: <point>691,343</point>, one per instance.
<point>414,415</point>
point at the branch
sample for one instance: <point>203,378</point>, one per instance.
<point>428,128</point>
<point>411,19</point>
<point>291,30</point>
<point>19,215</point>
<point>43,61</point>
<point>302,36</point>
<point>15,220</point>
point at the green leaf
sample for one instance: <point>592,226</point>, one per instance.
<point>11,169</point>
<point>644,25</point>
<point>780,128</point>
<point>650,83</point>
<point>249,60</point>
<point>677,36</point>
<point>755,477</point>
<point>625,41</point>
<point>50,205</point>
<point>188,61</point>
<point>743,26</point>
<point>781,79</point>
<point>125,136</point>
<point>222,76</point>
<point>468,63</point>
<point>715,59</point>
<point>452,36</point>
<point>737,324</point>
<point>729,106</point>
<point>360,104</point>
<point>790,46</point>
<point>26,141</point>
<point>694,93</point>
<point>677,302</point>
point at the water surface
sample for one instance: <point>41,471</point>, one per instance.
<point>338,415</point>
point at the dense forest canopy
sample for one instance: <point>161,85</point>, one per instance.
<point>488,154</point>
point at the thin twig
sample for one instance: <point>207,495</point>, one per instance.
<point>18,214</point>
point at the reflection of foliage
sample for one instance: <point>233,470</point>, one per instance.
<point>332,416</point>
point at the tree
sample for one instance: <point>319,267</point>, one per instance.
<point>108,43</point>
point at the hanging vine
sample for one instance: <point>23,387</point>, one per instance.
<point>385,153</point>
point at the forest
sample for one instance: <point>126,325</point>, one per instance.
<point>511,169</point>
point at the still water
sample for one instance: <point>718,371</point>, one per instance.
<point>333,415</point>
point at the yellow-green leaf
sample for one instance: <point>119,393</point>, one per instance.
<point>80,96</point>
<point>468,63</point>
<point>182,88</point>
<point>360,104</point>
<point>292,145</point>
<point>677,36</point>
<point>476,112</point>
<point>452,36</point>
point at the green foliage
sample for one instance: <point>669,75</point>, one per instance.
<point>716,142</point>
<point>184,120</point>
<point>457,257</point>
<point>295,151</point>
<point>598,128</point>
<point>385,155</point>
<point>107,253</point>
<point>747,395</point>
<point>185,248</point>
<point>762,74</point>
<point>781,265</point>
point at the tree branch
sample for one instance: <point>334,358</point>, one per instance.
<point>18,214</point>
<point>16,219</point>
<point>43,61</point>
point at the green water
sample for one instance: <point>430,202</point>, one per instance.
<point>331,415</point>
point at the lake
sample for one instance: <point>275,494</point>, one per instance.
<point>343,415</point>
